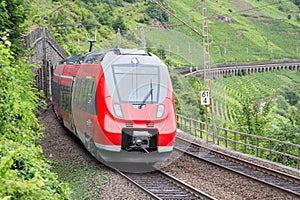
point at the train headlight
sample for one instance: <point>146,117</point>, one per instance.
<point>134,61</point>
<point>160,111</point>
<point>118,110</point>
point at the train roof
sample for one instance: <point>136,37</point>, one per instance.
<point>98,56</point>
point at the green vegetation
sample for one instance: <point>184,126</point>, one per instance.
<point>273,95</point>
<point>24,173</point>
<point>187,96</point>
<point>12,16</point>
<point>255,87</point>
<point>268,105</point>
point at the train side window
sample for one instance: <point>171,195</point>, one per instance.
<point>65,97</point>
<point>82,99</point>
<point>85,95</point>
<point>91,97</point>
<point>80,88</point>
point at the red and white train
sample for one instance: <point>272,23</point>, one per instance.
<point>119,103</point>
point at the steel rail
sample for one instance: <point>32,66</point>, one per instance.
<point>160,185</point>
<point>285,182</point>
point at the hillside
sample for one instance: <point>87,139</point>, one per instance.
<point>250,30</point>
<point>240,31</point>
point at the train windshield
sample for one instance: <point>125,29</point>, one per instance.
<point>139,84</point>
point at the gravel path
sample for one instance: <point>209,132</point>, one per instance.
<point>60,145</point>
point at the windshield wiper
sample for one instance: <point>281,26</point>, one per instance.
<point>150,93</point>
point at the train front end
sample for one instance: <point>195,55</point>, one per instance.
<point>137,115</point>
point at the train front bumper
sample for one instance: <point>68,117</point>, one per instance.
<point>116,154</point>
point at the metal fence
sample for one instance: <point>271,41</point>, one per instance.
<point>274,150</point>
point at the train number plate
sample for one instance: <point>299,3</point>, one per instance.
<point>141,134</point>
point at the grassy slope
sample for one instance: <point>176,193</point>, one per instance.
<point>265,31</point>
<point>255,86</point>
<point>255,25</point>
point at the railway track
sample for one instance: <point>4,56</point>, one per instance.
<point>160,185</point>
<point>280,181</point>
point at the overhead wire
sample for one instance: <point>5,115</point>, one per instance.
<point>178,18</point>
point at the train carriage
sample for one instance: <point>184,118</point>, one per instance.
<point>119,103</point>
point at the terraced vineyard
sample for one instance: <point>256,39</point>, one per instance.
<point>230,92</point>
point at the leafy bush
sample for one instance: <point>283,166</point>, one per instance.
<point>12,16</point>
<point>187,100</point>
<point>118,23</point>
<point>24,174</point>
<point>155,12</point>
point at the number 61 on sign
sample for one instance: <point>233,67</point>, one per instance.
<point>205,97</point>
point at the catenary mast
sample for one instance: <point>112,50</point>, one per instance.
<point>206,94</point>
